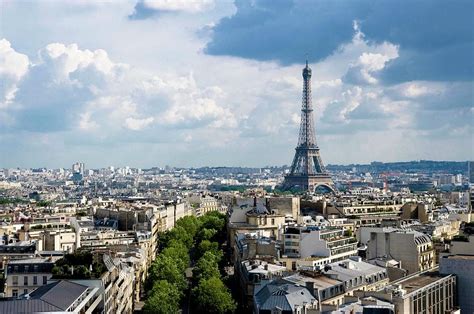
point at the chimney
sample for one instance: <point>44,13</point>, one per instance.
<point>310,286</point>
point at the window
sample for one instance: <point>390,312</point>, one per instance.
<point>25,291</point>
<point>45,280</point>
<point>15,293</point>
<point>35,280</point>
<point>25,280</point>
<point>15,280</point>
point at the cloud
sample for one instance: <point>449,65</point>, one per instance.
<point>287,31</point>
<point>138,124</point>
<point>149,8</point>
<point>83,90</point>
<point>13,66</point>
<point>235,106</point>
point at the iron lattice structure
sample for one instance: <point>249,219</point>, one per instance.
<point>307,169</point>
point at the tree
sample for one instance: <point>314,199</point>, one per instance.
<point>206,267</point>
<point>166,268</point>
<point>205,246</point>
<point>178,252</point>
<point>206,234</point>
<point>163,299</point>
<point>212,296</point>
<point>190,223</point>
<point>213,220</point>
<point>180,234</point>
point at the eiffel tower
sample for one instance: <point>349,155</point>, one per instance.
<point>307,170</point>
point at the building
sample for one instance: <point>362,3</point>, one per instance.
<point>25,275</point>
<point>252,216</point>
<point>283,297</point>
<point>460,262</point>
<point>17,250</point>
<point>62,296</point>
<point>326,290</point>
<point>288,206</point>
<point>250,246</point>
<point>314,247</point>
<point>463,267</point>
<point>412,248</point>
<point>428,292</point>
<point>113,279</point>
<point>78,167</point>
<point>420,211</point>
<point>307,171</point>
<point>204,203</point>
<point>357,275</point>
<point>251,273</point>
<point>364,208</point>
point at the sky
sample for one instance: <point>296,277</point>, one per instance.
<point>218,82</point>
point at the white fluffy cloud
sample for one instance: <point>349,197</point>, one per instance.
<point>138,124</point>
<point>13,66</point>
<point>79,89</point>
<point>152,87</point>
<point>179,5</point>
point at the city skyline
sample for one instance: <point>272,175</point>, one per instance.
<point>193,84</point>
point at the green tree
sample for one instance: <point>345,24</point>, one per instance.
<point>206,245</point>
<point>178,252</point>
<point>163,299</point>
<point>206,267</point>
<point>212,296</point>
<point>206,234</point>
<point>180,234</point>
<point>166,268</point>
<point>213,220</point>
<point>190,223</point>
<point>82,272</point>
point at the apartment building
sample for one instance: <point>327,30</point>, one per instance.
<point>254,217</point>
<point>412,248</point>
<point>251,273</point>
<point>62,296</point>
<point>25,275</point>
<point>357,275</point>
<point>428,292</point>
<point>315,247</point>
<point>365,207</point>
<point>460,262</point>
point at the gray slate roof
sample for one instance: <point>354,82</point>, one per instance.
<point>284,296</point>
<point>53,297</point>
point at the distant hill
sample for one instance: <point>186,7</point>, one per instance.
<point>453,167</point>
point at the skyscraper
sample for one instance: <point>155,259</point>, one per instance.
<point>78,167</point>
<point>307,169</point>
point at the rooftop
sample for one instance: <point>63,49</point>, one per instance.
<point>54,297</point>
<point>320,282</point>
<point>417,282</point>
<point>460,256</point>
<point>284,296</point>
<point>348,269</point>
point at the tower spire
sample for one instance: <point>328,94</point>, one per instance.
<point>307,170</point>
